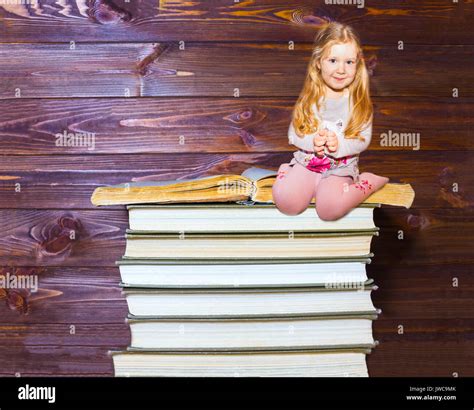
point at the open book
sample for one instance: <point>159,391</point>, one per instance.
<point>253,185</point>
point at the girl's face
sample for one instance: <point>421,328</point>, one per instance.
<point>338,67</point>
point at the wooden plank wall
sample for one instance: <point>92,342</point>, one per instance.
<point>141,74</point>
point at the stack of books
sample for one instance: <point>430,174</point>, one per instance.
<point>220,289</point>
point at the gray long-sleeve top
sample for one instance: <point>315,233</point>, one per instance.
<point>334,115</point>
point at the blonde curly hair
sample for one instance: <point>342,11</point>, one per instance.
<point>304,119</point>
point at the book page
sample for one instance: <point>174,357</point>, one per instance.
<point>257,173</point>
<point>160,183</point>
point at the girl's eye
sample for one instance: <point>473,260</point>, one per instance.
<point>333,59</point>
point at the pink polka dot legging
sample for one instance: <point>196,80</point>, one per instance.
<point>295,187</point>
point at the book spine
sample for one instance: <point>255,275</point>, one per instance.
<point>227,205</point>
<point>362,348</point>
<point>372,315</point>
<point>368,316</point>
<point>151,289</point>
<point>138,350</point>
<point>238,261</point>
<point>131,234</point>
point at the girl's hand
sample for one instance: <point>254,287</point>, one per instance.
<point>331,141</point>
<point>319,141</point>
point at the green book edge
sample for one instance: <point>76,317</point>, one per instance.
<point>246,235</point>
<point>347,349</point>
<point>229,205</point>
<point>326,315</point>
<point>214,260</point>
<point>205,288</point>
<point>277,348</point>
<point>370,316</point>
<point>239,261</point>
<point>253,233</point>
<point>131,289</point>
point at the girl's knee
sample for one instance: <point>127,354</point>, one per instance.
<point>291,210</point>
<point>290,196</point>
<point>330,215</point>
<point>286,203</point>
<point>329,212</point>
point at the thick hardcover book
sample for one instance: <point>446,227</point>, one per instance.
<point>323,332</point>
<point>237,218</point>
<point>353,299</point>
<point>250,245</point>
<point>349,362</point>
<point>242,273</point>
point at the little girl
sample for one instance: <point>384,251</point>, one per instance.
<point>331,125</point>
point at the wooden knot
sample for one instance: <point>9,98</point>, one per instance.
<point>17,298</point>
<point>419,222</point>
<point>57,238</point>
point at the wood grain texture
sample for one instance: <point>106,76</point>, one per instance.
<point>423,358</point>
<point>67,334</point>
<point>90,361</point>
<point>68,181</point>
<point>441,291</point>
<point>43,238</point>
<point>116,334</point>
<point>217,69</point>
<point>436,21</point>
<point>392,358</point>
<point>213,125</point>
<point>407,296</point>
<point>70,296</point>
<point>422,330</point>
<point>122,51</point>
<point>73,295</point>
<point>47,238</point>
